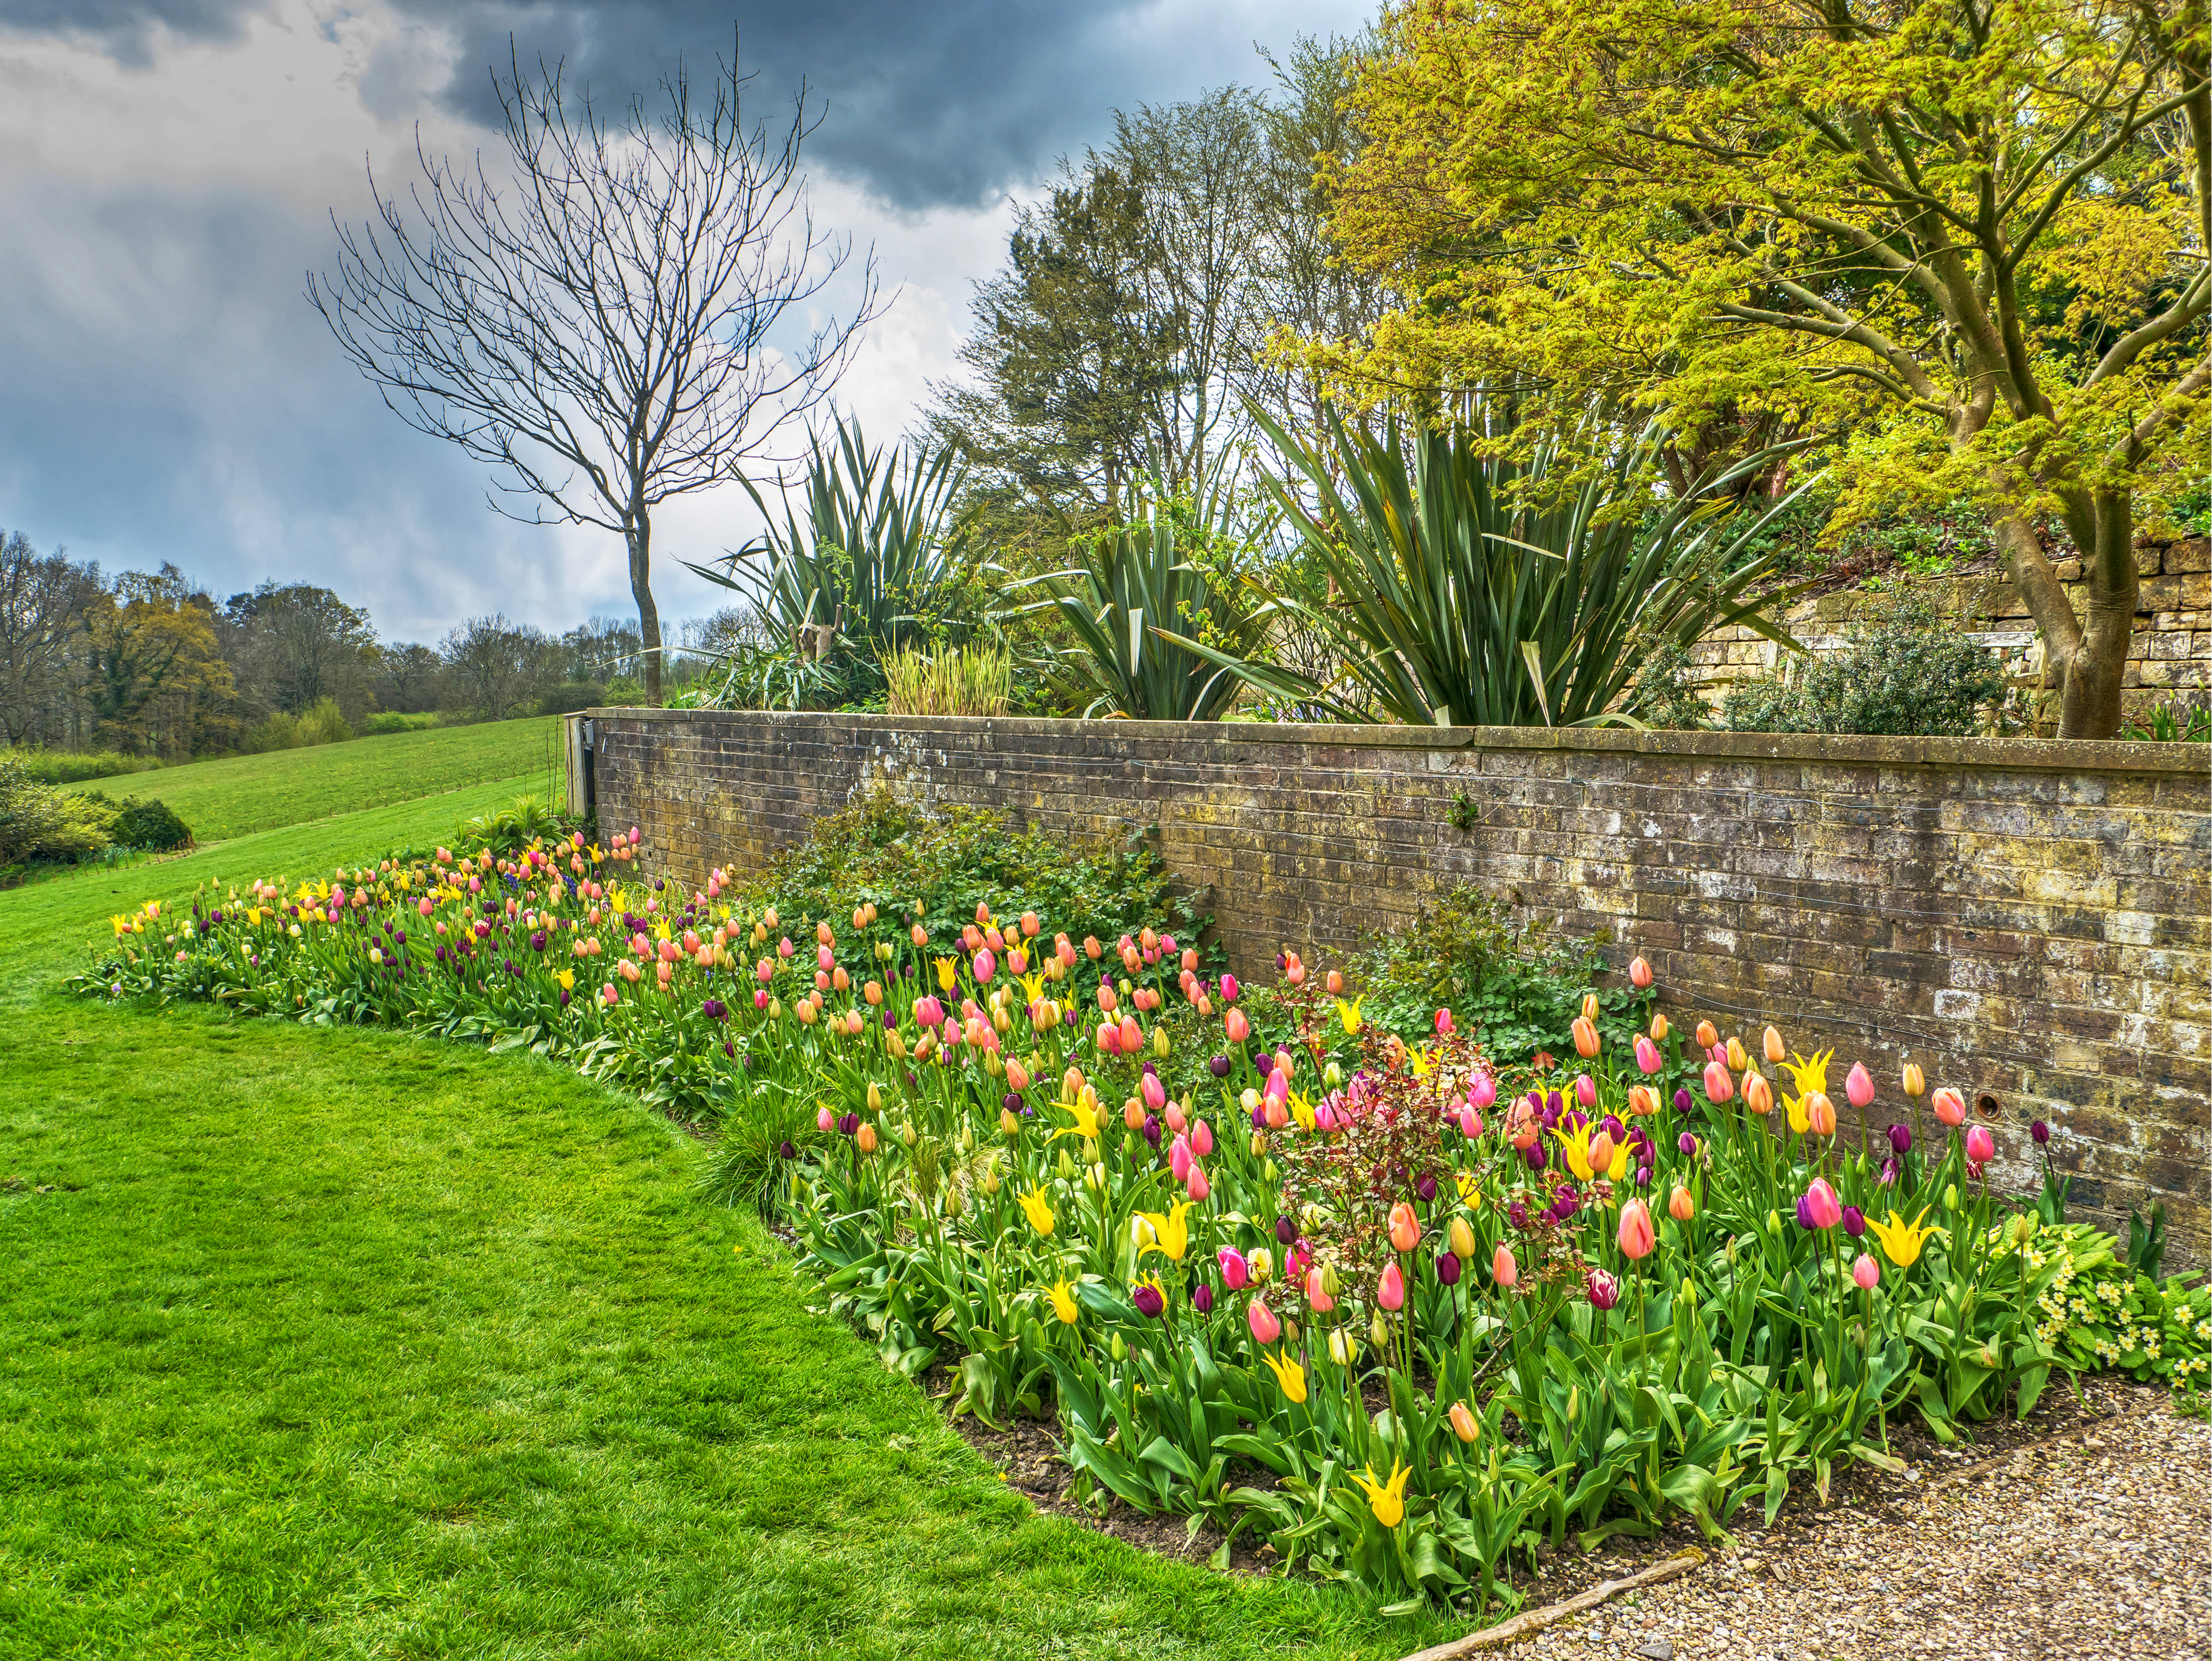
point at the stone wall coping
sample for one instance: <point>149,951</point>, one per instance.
<point>2020,754</point>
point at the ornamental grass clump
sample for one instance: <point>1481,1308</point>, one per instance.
<point>1457,1306</point>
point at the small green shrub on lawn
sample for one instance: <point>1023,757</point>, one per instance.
<point>76,766</point>
<point>385,721</point>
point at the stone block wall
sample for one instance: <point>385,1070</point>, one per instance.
<point>2026,918</point>
<point>2169,658</point>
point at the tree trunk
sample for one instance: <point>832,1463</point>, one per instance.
<point>2090,705</point>
<point>648,614</point>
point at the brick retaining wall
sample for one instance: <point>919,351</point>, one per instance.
<point>2028,918</point>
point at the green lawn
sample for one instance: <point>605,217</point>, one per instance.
<point>348,1343</point>
<point>242,794</point>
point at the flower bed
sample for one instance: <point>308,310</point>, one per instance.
<point>1405,1308</point>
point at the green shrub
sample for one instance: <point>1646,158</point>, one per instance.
<point>622,692</point>
<point>75,766</point>
<point>1664,694</point>
<point>391,720</point>
<point>503,829</point>
<point>150,825</point>
<point>324,722</point>
<point>1908,670</point>
<point>572,696</point>
<point>40,822</point>
<point>276,731</point>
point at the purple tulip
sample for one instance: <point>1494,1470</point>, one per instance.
<point>1218,1067</point>
<point>1804,1214</point>
<point>1517,1214</point>
<point>1286,1231</point>
<point>787,1152</point>
<point>1854,1221</point>
<point>1201,1298</point>
<point>1613,1126</point>
<point>1426,1188</point>
<point>1260,1117</point>
<point>1889,1170</point>
<point>1682,1101</point>
<point>1447,1269</point>
<point>1149,1302</point>
<point>1644,1176</point>
<point>1151,1130</point>
<point>1536,1156</point>
<point>1011,1101</point>
<point>2041,1132</point>
<point>1686,1144</point>
<point>1604,1290</point>
<point>1554,1101</point>
<point>848,1125</point>
<point>890,1020</point>
<point>1900,1140</point>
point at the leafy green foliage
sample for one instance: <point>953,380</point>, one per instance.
<point>40,822</point>
<point>150,825</point>
<point>76,766</point>
<point>1473,589</point>
<point>1909,670</point>
<point>382,723</point>
<point>975,679</point>
<point>2173,720</point>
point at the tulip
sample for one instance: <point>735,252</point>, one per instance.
<point>1195,1184</point>
<point>1289,1374</point>
<point>824,1119</point>
<point>1405,1227</point>
<point>1586,1091</point>
<point>1484,1091</point>
<point>1659,1029</point>
<point>1155,1093</point>
<point>1819,1114</point>
<point>1733,1053</point>
<point>1758,1096</point>
<point>1949,1106</point>
<point>1503,1268</point>
<point>1981,1147</point>
<point>1648,1059</point>
<point>1317,1293</point>
<point>866,1137</point>
<point>1914,1081</point>
<point>1639,974</point>
<point>1858,1088</point>
<point>1266,1328</point>
<point>1461,1238</point>
<point>1705,1035</point>
<point>1679,1206</point>
<point>1643,1100</point>
<point>1774,1052</point>
<point>1235,1272</point>
<point>1390,1290</point>
<point>985,966</point>
<point>1822,1205</point>
<point>1463,1422</point>
<point>1443,1023</point>
<point>1855,1222</point>
<point>1604,1290</point>
<point>1637,1237</point>
<point>1236,1026</point>
<point>1585,1038</point>
<point>1149,1300</point>
<point>1865,1273</point>
<point>1719,1086</point>
<point>1589,1007</point>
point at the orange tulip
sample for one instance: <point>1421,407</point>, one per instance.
<point>1503,1268</point>
<point>1585,1038</point>
<point>1706,1036</point>
<point>1679,1206</point>
<point>1463,1422</point>
<point>1643,1099</point>
<point>1719,1086</point>
<point>1757,1095</point>
<point>1639,974</point>
<point>1637,1238</point>
<point>1950,1106</point>
<point>1774,1052</point>
<point>1819,1114</point>
<point>1405,1227</point>
<point>1659,1028</point>
<point>1589,1006</point>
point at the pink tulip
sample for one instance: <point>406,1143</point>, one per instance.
<point>1586,1089</point>
<point>1719,1086</point>
<point>1201,1138</point>
<point>1443,1023</point>
<point>1949,1106</point>
<point>1266,1328</point>
<point>1179,1158</point>
<point>1484,1091</point>
<point>1109,1037</point>
<point>1316,1295</point>
<point>1229,990</point>
<point>824,959</point>
<point>783,947</point>
<point>1822,1205</point>
<point>1155,1093</point>
<point>760,998</point>
<point>1390,1291</point>
<point>824,1119</point>
<point>1637,1236</point>
<point>1857,1086</point>
<point>1648,1059</point>
<point>1866,1272</point>
<point>1235,1271</point>
<point>1236,1026</point>
<point>424,906</point>
<point>986,965</point>
<point>1981,1147</point>
<point>1503,1268</point>
<point>1639,974</point>
<point>1195,1184</point>
<point>1174,1116</point>
<point>1470,1124</point>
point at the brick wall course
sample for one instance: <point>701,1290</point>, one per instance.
<point>2028,918</point>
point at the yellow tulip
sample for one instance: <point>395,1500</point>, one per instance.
<point>1901,1241</point>
<point>1063,1303</point>
<point>1170,1233</point>
<point>1289,1374</point>
<point>1084,1111</point>
<point>1349,1015</point>
<point>944,968</point>
<point>1037,1209</point>
<point>1387,1500</point>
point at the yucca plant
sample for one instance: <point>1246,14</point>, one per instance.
<point>956,680</point>
<point>878,553</point>
<point>1466,592</point>
<point>1156,631</point>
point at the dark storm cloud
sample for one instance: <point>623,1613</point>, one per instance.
<point>927,104</point>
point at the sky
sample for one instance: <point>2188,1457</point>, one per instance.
<point>169,170</point>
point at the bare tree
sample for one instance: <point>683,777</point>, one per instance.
<point>600,330</point>
<point>497,665</point>
<point>43,602</point>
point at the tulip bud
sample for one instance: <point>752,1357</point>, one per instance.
<point>1914,1081</point>
<point>1738,1060</point>
<point>1639,974</point>
<point>1858,1088</point>
<point>1719,1086</point>
<point>1637,1236</point>
<point>1679,1206</point>
<point>1659,1029</point>
<point>1706,1036</point>
<point>1585,1037</point>
<point>1461,1237</point>
<point>1981,1147</point>
<point>1774,1052</point>
<point>1334,982</point>
<point>1819,1114</point>
<point>1648,1058</point>
<point>1008,1124</point>
<point>1949,1106</point>
<point>1390,1290</point>
<point>1757,1095</point>
<point>1503,1268</point>
<point>1865,1273</point>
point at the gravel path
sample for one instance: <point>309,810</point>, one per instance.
<point>2098,1545</point>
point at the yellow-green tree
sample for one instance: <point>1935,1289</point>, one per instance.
<point>1972,234</point>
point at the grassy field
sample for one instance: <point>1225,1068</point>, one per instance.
<point>348,1343</point>
<point>242,794</point>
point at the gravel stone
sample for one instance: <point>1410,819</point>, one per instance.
<point>2094,1546</point>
